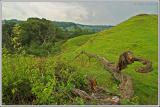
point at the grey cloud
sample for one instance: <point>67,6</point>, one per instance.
<point>85,12</point>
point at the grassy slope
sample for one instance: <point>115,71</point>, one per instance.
<point>138,34</point>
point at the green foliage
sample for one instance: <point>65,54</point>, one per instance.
<point>132,101</point>
<point>67,78</point>
<point>16,39</point>
<point>26,79</point>
<point>38,30</point>
<point>79,101</point>
<point>19,92</point>
<point>38,80</point>
<point>34,36</point>
<point>43,91</point>
<point>6,34</point>
<point>81,81</point>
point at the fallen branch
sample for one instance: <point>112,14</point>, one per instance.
<point>100,99</point>
<point>82,94</point>
<point>125,59</point>
<point>148,65</point>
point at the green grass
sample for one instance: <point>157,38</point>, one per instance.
<point>138,34</point>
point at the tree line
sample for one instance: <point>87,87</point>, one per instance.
<point>37,36</point>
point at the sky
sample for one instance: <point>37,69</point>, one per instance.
<point>84,12</point>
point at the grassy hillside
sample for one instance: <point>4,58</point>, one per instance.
<point>138,34</point>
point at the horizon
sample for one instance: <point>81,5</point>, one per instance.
<point>85,13</point>
<point>76,22</point>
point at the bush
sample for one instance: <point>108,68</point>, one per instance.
<point>18,92</point>
<point>39,80</point>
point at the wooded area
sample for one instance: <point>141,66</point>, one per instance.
<point>41,37</point>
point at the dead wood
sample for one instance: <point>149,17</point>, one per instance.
<point>146,68</point>
<point>126,58</point>
<point>82,94</point>
<point>98,94</point>
<point>126,87</point>
<point>99,97</point>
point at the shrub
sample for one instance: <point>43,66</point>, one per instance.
<point>18,92</point>
<point>40,80</point>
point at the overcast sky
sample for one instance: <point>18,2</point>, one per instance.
<point>95,12</point>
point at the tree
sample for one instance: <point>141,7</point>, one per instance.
<point>16,38</point>
<point>7,28</point>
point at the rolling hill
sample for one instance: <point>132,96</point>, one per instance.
<point>138,34</point>
<point>69,26</point>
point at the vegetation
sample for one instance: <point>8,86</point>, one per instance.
<point>39,36</point>
<point>29,79</point>
<point>74,29</point>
